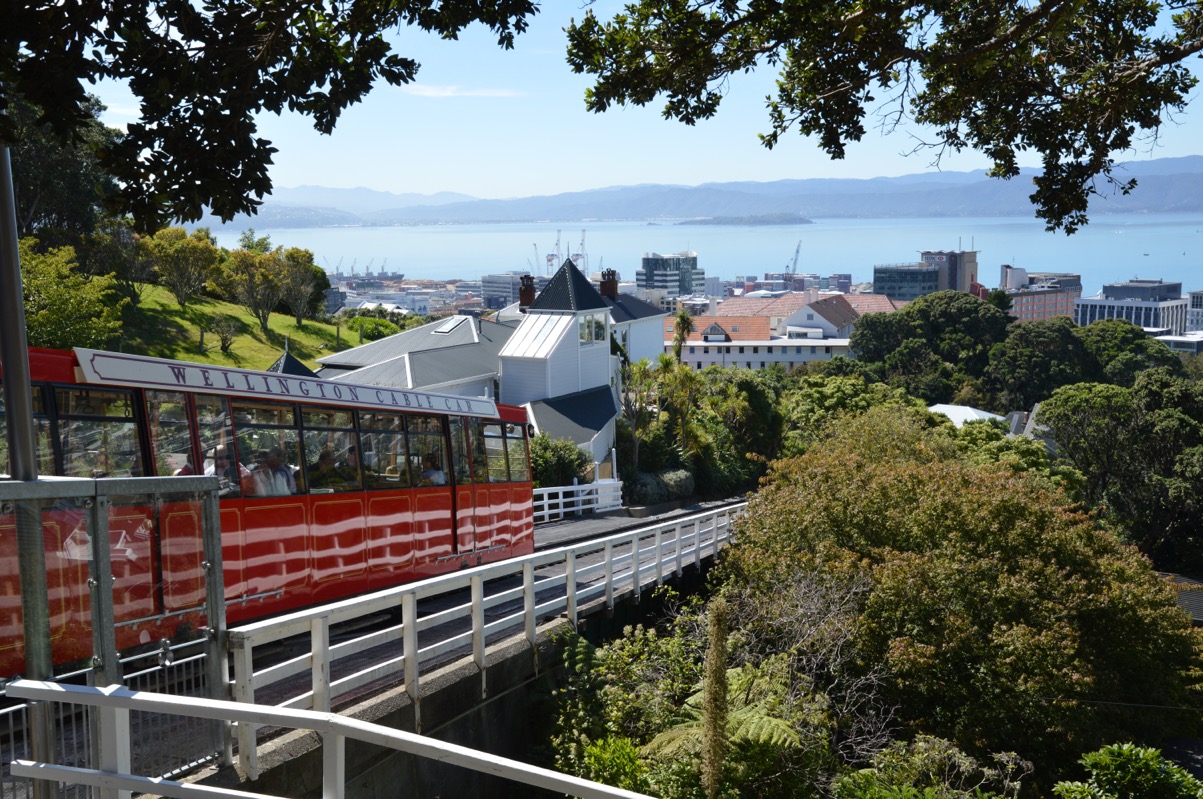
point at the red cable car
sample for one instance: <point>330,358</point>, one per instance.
<point>328,490</point>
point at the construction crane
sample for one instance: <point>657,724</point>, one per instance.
<point>793,269</point>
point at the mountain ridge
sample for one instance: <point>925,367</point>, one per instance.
<point>1167,185</point>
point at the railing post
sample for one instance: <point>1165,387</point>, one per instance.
<point>334,765</point>
<point>697,544</point>
<point>636,576</point>
<point>114,745</point>
<point>677,554</point>
<point>659,555</point>
<point>478,630</point>
<point>244,691</point>
<point>217,669</point>
<point>570,585</point>
<point>319,654</point>
<point>609,575</point>
<point>106,666</point>
<point>576,497</point>
<point>409,638</point>
<point>528,600</point>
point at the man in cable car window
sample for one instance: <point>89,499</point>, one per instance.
<point>272,476</point>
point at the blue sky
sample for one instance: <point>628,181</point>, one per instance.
<point>496,124</point>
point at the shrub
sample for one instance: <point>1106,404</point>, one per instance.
<point>557,461</point>
<point>678,483</point>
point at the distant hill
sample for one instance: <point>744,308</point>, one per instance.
<point>1167,185</point>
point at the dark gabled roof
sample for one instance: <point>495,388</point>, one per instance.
<point>286,364</point>
<point>577,417</point>
<point>628,308</point>
<point>569,290</point>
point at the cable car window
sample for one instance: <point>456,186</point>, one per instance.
<point>98,434</point>
<point>170,434</point>
<point>384,456</point>
<point>222,457</point>
<point>332,461</point>
<point>494,445</point>
<point>43,449</point>
<point>461,465</point>
<point>515,442</point>
<point>427,450</point>
<point>269,434</point>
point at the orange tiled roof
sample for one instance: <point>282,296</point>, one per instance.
<point>784,305</point>
<point>738,328</point>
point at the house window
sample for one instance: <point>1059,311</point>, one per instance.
<point>691,350</point>
<point>741,350</point>
<point>705,350</point>
<point>770,350</point>
<point>762,364</point>
<point>797,350</point>
<point>814,350</point>
<point>755,350</point>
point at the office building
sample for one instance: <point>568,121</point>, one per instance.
<point>1154,305</point>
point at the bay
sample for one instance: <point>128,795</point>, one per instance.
<point>1110,249</point>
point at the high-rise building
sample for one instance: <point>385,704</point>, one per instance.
<point>677,273</point>
<point>937,270</point>
<point>906,282</point>
<point>958,268</point>
<point>1194,313</point>
<point>500,291</point>
<point>1040,295</point>
<point>1150,304</point>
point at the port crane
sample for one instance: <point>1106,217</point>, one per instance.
<point>793,268</point>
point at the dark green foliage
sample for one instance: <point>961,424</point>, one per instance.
<point>1140,450</point>
<point>1037,358</point>
<point>557,462</point>
<point>1006,78</point>
<point>60,187</point>
<point>932,768</point>
<point>990,593</point>
<point>201,73</point>
<point>1127,771</point>
<point>1120,351</point>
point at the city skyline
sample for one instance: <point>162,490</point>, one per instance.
<point>498,124</point>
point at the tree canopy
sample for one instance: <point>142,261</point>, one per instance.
<point>64,308</point>
<point>202,72</point>
<point>1006,619</point>
<point>1075,83</point>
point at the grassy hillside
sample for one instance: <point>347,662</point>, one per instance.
<point>157,326</point>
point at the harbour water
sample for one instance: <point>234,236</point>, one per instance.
<point>1110,249</point>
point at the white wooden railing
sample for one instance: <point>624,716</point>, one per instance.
<point>462,612</point>
<point>113,778</point>
<point>558,502</point>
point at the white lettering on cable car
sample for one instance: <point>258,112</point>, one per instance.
<point>119,369</point>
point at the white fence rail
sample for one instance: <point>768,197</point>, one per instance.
<point>115,704</point>
<point>560,501</point>
<point>461,613</point>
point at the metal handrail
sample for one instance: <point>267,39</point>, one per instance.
<point>114,705</point>
<point>520,592</point>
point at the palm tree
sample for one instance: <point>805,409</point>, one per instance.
<point>681,330</point>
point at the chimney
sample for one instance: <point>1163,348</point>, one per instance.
<point>609,283</point>
<point>526,292</point>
